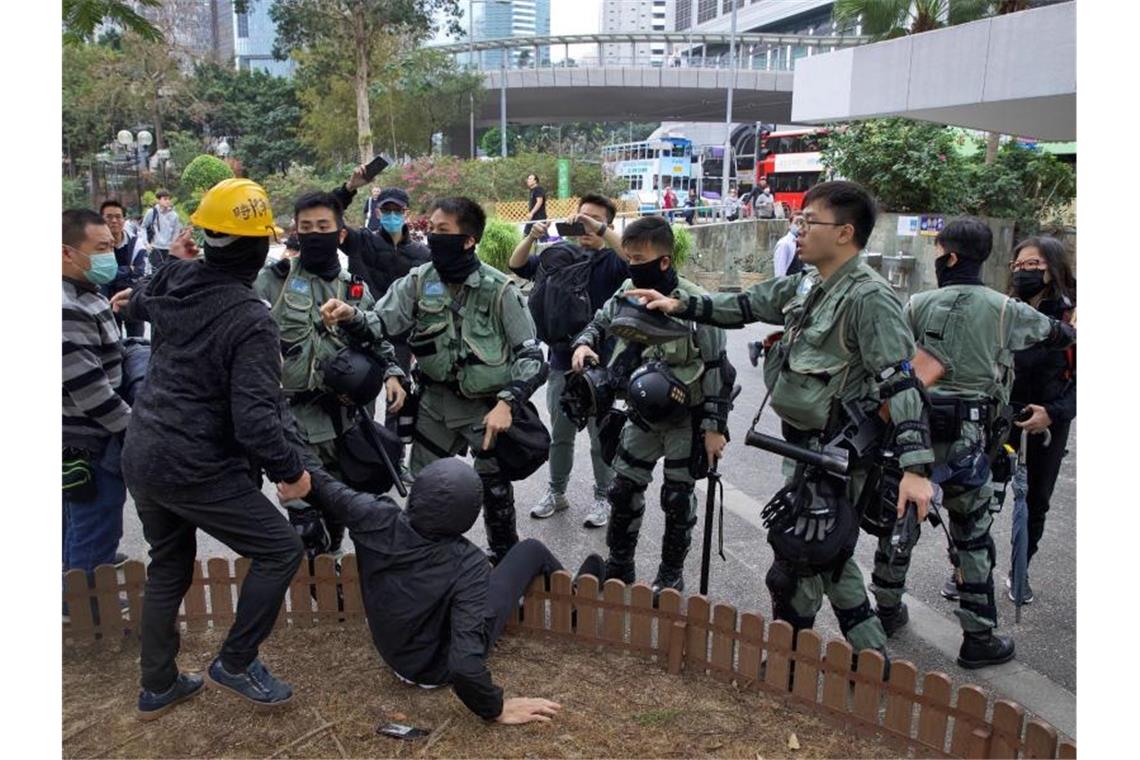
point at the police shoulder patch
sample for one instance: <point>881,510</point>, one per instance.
<point>433,288</point>
<point>299,285</point>
<point>805,286</point>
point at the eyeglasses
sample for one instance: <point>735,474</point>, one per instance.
<point>807,224</point>
<point>1027,264</point>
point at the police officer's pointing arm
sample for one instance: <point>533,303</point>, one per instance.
<point>763,302</point>
<point>392,315</point>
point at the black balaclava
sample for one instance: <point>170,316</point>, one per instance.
<point>648,275</point>
<point>965,272</point>
<point>318,253</point>
<point>445,499</point>
<point>236,255</point>
<point>451,258</point>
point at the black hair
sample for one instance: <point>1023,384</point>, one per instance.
<point>653,232</point>
<point>162,194</point>
<point>851,204</point>
<point>111,202</point>
<point>319,199</point>
<point>1062,282</point>
<point>469,215</point>
<point>599,200</point>
<point>536,179</point>
<point>75,224</point>
<point>969,237</point>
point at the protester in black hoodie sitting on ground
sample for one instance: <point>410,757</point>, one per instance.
<point>434,604</point>
<point>208,417</point>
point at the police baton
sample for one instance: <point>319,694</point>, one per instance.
<point>370,434</point>
<point>714,487</point>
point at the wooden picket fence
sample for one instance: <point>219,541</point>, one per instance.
<point>681,634</point>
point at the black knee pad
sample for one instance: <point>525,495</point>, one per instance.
<point>677,501</point>
<point>622,490</point>
<point>781,580</point>
<point>496,490</point>
<point>853,616</point>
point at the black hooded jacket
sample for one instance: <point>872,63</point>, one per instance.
<point>1047,376</point>
<point>424,585</point>
<point>373,255</point>
<point>209,412</point>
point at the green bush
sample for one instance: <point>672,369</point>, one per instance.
<point>75,193</point>
<point>200,175</point>
<point>500,238</point>
<point>682,245</point>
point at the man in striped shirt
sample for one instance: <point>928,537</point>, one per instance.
<point>94,415</point>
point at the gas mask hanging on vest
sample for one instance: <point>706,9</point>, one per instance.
<point>451,258</point>
<point>239,256</point>
<point>318,254</point>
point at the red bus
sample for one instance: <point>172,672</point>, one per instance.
<point>790,161</point>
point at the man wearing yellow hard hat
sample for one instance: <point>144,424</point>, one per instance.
<point>208,418</point>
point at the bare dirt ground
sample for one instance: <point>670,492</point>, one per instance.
<point>613,705</point>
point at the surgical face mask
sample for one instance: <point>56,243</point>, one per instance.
<point>103,267</point>
<point>392,221</point>
<point>1028,283</point>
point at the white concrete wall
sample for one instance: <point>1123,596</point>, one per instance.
<point>1015,74</point>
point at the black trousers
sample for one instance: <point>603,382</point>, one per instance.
<point>1042,465</point>
<point>510,578</point>
<point>247,523</point>
<point>134,329</point>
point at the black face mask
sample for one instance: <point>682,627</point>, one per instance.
<point>452,259</point>
<point>318,254</point>
<point>1028,283</point>
<point>242,259</point>
<point>965,272</point>
<point>649,275</point>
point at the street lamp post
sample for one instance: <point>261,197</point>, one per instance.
<point>728,112</point>
<point>471,58</point>
<point>136,148</point>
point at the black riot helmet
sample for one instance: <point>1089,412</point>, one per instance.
<point>354,374</point>
<point>655,394</point>
<point>587,394</point>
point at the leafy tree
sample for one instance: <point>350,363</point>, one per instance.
<point>442,94</point>
<point>1022,184</point>
<point>887,19</point>
<point>908,165</point>
<point>82,17</point>
<point>337,26</point>
<point>260,111</point>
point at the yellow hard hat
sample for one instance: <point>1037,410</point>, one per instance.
<point>236,207</point>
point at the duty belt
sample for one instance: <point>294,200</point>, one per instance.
<point>453,386</point>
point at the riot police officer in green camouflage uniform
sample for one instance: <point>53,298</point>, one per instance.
<point>845,340</point>
<point>678,395</point>
<point>295,289</point>
<point>973,331</point>
<point>476,350</point>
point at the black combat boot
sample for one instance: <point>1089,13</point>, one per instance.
<point>983,648</point>
<point>893,617</point>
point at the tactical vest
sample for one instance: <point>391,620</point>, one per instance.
<point>464,344</point>
<point>682,355</point>
<point>296,310</point>
<point>964,327</point>
<point>821,367</point>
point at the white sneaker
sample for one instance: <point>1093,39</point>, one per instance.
<point>600,515</point>
<point>551,503</point>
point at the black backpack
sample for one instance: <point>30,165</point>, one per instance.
<point>560,300</point>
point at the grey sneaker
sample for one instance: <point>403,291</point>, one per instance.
<point>600,514</point>
<point>1028,590</point>
<point>950,589</point>
<point>551,503</point>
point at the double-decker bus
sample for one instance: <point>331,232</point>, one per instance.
<point>790,161</point>
<point>649,166</point>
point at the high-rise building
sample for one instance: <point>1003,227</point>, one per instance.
<point>197,30</point>
<point>636,16</point>
<point>497,19</point>
<point>254,34</point>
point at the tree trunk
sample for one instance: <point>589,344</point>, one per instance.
<point>156,112</point>
<point>993,140</point>
<point>360,84</point>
